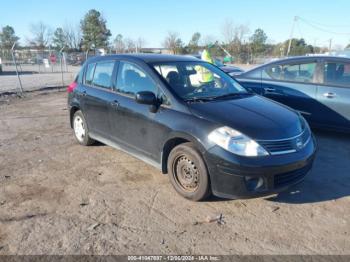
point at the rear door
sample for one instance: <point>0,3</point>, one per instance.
<point>333,94</point>
<point>97,96</point>
<point>293,84</point>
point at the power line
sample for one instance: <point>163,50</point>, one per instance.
<point>320,28</point>
<point>321,24</point>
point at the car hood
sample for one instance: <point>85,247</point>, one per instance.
<point>229,69</point>
<point>255,116</point>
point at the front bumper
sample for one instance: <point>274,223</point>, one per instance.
<point>235,177</point>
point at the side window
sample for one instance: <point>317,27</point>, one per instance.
<point>256,74</point>
<point>272,72</point>
<point>303,73</point>
<point>132,79</point>
<point>103,74</point>
<point>337,73</point>
<point>300,72</point>
<point>89,75</point>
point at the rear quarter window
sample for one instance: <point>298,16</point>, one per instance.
<point>89,75</point>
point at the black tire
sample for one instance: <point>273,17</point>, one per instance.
<point>188,173</point>
<point>84,140</point>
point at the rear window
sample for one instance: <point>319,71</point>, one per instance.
<point>103,74</point>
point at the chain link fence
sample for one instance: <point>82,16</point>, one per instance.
<point>37,69</point>
<point>50,69</point>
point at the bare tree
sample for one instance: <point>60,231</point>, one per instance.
<point>140,43</point>
<point>119,44</point>
<point>208,40</point>
<point>173,42</point>
<point>73,36</point>
<point>130,45</point>
<point>41,35</point>
<point>234,37</point>
<point>228,31</point>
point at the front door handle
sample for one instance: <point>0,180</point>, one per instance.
<point>329,95</point>
<point>270,90</point>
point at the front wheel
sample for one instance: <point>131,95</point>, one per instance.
<point>188,173</point>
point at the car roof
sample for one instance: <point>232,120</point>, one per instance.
<point>147,58</point>
<point>300,58</point>
<point>311,57</point>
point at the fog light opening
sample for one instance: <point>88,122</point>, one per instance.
<point>254,183</point>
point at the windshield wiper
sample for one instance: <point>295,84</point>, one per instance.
<point>198,99</point>
<point>211,98</point>
<point>230,95</point>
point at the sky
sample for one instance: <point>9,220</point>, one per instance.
<point>152,19</point>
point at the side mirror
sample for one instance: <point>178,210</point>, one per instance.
<point>146,98</point>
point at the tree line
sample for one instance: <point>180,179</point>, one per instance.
<point>92,33</point>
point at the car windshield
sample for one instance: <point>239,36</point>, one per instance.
<point>198,80</point>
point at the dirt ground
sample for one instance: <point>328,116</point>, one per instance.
<point>57,197</point>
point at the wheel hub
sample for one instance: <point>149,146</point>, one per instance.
<point>79,128</point>
<point>187,174</point>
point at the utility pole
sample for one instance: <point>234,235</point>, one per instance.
<point>291,34</point>
<point>330,45</point>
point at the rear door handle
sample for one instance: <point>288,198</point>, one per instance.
<point>329,95</point>
<point>83,93</point>
<point>114,103</point>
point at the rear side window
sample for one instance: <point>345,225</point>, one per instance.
<point>302,73</point>
<point>337,73</point>
<point>89,75</point>
<point>103,74</point>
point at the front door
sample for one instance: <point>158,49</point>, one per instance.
<point>133,125</point>
<point>293,84</point>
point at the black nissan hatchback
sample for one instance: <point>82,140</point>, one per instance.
<point>193,121</point>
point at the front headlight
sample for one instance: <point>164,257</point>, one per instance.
<point>235,142</point>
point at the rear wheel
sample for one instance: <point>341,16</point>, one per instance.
<point>80,129</point>
<point>188,172</point>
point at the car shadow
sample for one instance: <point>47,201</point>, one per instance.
<point>97,144</point>
<point>330,177</point>
<point>13,73</point>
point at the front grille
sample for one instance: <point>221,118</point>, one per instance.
<point>278,147</point>
<point>291,177</point>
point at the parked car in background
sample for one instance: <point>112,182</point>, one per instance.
<point>229,69</point>
<point>316,86</point>
<point>210,137</point>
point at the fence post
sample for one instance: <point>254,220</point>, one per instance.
<point>61,56</point>
<point>15,62</point>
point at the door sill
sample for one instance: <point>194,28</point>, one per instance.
<point>129,151</point>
